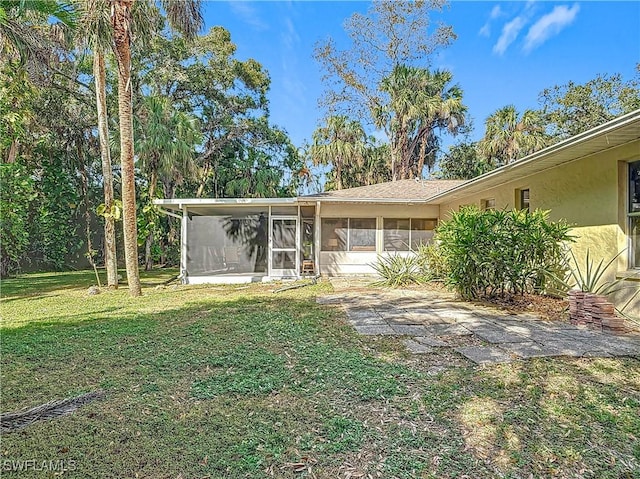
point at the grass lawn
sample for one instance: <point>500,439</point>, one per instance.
<point>239,382</point>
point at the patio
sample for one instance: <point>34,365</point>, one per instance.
<point>433,320</point>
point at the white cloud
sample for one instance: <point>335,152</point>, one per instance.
<point>510,32</point>
<point>485,31</point>
<point>248,14</point>
<point>550,25</point>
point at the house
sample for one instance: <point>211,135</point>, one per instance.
<point>591,180</point>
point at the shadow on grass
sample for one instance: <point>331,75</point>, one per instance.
<point>244,383</point>
<point>35,284</point>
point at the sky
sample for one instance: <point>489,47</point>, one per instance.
<point>505,53</point>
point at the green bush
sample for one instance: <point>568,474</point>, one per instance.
<point>396,270</point>
<point>431,261</point>
<point>499,253</point>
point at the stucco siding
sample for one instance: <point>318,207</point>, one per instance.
<point>588,193</point>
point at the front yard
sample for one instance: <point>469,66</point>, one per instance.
<point>237,382</point>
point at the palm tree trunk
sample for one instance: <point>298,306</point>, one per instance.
<point>110,258</point>
<point>153,181</point>
<point>121,18</point>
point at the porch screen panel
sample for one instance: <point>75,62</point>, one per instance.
<point>422,231</point>
<point>334,234</point>
<point>362,234</point>
<point>396,234</point>
<point>223,244</point>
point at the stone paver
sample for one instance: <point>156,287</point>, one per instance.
<point>497,335</point>
<point>484,354</point>
<point>429,341</point>
<point>409,330</point>
<point>416,347</point>
<point>428,316</point>
<point>448,330</point>
<point>376,330</point>
<point>531,349</point>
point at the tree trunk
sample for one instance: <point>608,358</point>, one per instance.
<point>121,20</point>
<point>13,151</point>
<point>153,181</point>
<point>110,258</point>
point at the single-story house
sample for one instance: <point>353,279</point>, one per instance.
<point>591,180</point>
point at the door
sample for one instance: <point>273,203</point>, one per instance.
<point>284,251</point>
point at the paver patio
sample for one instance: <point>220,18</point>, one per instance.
<point>428,318</point>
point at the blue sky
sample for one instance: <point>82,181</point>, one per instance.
<point>506,52</point>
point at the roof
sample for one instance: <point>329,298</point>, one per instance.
<point>401,190</point>
<point>615,133</point>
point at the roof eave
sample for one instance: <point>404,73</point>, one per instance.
<point>598,131</point>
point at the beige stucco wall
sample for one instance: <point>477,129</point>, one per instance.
<point>342,263</point>
<point>589,193</point>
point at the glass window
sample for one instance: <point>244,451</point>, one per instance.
<point>524,200</point>
<point>634,214</point>
<point>334,234</point>
<point>362,234</point>
<point>407,234</point>
<point>489,204</point>
<point>421,232</point>
<point>396,234</point>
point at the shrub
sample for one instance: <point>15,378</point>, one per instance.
<point>432,261</point>
<point>498,253</point>
<point>397,270</point>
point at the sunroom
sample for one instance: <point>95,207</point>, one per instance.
<point>240,240</point>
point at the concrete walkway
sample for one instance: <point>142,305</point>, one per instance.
<point>432,320</point>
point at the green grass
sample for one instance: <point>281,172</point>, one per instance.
<point>239,382</point>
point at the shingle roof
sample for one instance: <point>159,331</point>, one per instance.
<point>393,190</point>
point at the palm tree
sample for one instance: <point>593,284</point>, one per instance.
<point>94,31</point>
<point>338,143</point>
<point>25,27</point>
<point>27,37</point>
<point>419,103</point>
<point>184,16</point>
<point>166,149</point>
<point>510,136</point>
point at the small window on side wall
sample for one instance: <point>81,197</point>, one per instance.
<point>523,201</point>
<point>488,204</point>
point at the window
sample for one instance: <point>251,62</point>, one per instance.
<point>396,234</point>
<point>523,200</point>
<point>362,234</point>
<point>489,204</point>
<point>634,214</point>
<point>407,234</point>
<point>348,234</point>
<point>334,234</point>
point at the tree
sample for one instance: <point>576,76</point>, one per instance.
<point>572,108</point>
<point>419,103</point>
<point>21,27</point>
<point>391,33</point>
<point>463,162</point>
<point>339,143</point>
<point>166,149</point>
<point>94,31</point>
<point>185,17</point>
<point>510,136</point>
